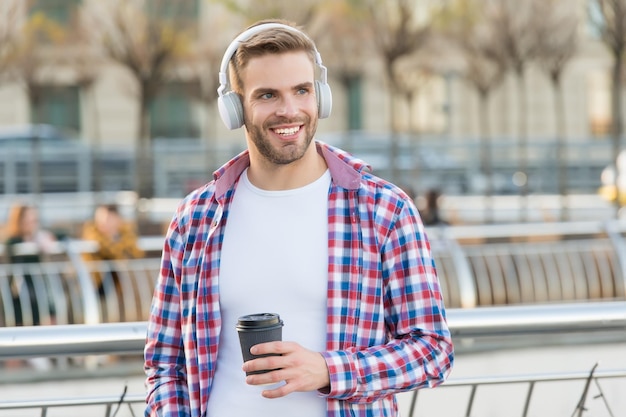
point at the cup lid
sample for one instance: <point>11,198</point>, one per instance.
<point>256,320</point>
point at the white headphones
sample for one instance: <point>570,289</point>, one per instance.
<point>228,102</point>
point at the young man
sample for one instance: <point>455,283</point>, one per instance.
<point>299,228</point>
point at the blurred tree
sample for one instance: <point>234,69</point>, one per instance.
<point>483,67</point>
<point>515,25</point>
<point>252,11</point>
<point>609,19</point>
<point>413,73</point>
<point>558,35</point>
<point>341,31</point>
<point>87,63</point>
<point>148,38</point>
<point>9,33</point>
<point>398,32</point>
<point>198,72</point>
<point>27,62</point>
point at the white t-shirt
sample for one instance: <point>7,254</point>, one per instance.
<point>274,260</point>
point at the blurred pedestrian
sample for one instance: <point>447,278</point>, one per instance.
<point>116,241</point>
<point>431,214</point>
<point>26,243</point>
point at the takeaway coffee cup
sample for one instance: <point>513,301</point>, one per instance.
<point>258,328</point>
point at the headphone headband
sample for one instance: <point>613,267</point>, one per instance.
<point>247,34</point>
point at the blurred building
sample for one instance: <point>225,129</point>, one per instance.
<point>101,102</point>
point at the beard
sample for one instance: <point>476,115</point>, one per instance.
<point>281,154</point>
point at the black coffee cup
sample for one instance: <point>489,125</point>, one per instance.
<point>258,328</point>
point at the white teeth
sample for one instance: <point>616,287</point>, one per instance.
<point>289,131</point>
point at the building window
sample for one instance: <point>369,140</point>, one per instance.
<point>60,11</point>
<point>59,106</point>
<point>171,113</point>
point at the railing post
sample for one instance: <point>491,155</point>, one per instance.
<point>91,307</point>
<point>531,387</point>
<point>470,402</point>
<point>467,287</point>
<point>614,234</point>
<point>413,402</point>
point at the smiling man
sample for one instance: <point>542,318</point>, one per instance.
<point>280,119</point>
<point>299,228</point>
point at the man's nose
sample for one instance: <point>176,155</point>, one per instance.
<point>287,106</point>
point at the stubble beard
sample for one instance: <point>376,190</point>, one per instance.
<point>285,154</point>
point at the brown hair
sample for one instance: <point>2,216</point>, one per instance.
<point>270,41</point>
<point>111,208</point>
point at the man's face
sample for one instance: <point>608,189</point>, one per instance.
<point>280,107</point>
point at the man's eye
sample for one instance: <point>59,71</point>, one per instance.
<point>267,96</point>
<point>303,91</point>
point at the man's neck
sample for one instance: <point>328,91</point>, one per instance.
<point>297,174</point>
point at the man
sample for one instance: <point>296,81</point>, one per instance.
<point>299,228</point>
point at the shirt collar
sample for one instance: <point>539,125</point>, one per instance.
<point>345,169</point>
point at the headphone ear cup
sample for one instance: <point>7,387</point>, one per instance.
<point>324,99</point>
<point>231,110</point>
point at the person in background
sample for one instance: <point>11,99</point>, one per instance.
<point>26,243</point>
<point>300,228</point>
<point>431,215</point>
<point>116,240</point>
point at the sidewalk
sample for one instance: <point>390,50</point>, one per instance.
<point>549,399</point>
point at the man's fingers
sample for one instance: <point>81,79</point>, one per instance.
<point>263,364</point>
<point>271,347</point>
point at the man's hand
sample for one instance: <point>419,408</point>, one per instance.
<point>300,368</point>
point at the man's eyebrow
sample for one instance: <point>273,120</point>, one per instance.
<point>307,84</point>
<point>263,90</point>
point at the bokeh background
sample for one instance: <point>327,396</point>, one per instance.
<point>490,104</point>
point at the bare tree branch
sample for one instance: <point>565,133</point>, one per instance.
<point>9,33</point>
<point>148,44</point>
<point>148,38</point>
<point>396,32</point>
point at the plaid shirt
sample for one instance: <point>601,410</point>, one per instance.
<point>386,327</point>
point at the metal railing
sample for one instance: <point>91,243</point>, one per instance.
<point>451,165</point>
<point>531,382</point>
<point>61,290</point>
<point>477,266</point>
<point>531,322</point>
<point>598,318</point>
<point>112,402</point>
<point>530,263</point>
